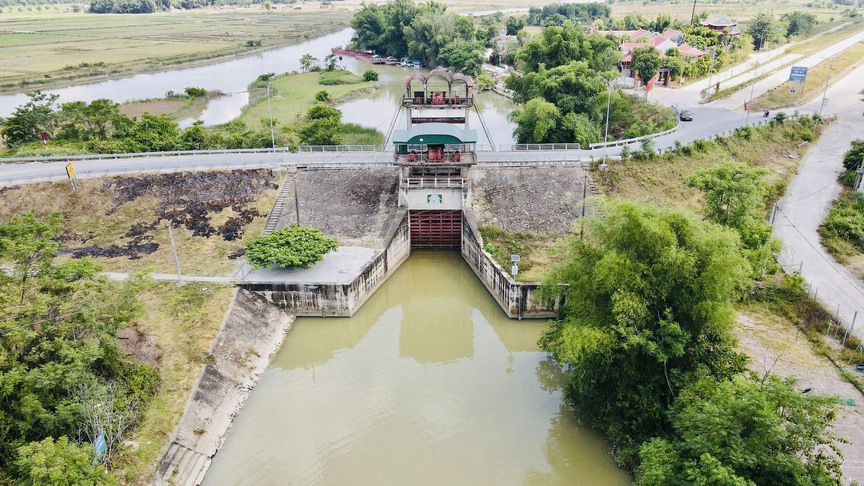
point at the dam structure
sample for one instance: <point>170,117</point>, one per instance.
<point>426,199</point>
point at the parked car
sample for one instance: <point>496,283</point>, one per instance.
<point>686,115</point>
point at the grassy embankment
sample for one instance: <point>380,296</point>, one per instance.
<point>178,325</point>
<point>292,94</point>
<point>842,232</point>
<point>178,108</point>
<point>51,47</point>
<point>100,215</point>
<point>807,47</point>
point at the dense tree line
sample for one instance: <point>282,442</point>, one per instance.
<point>426,32</point>
<point>64,380</point>
<point>555,13</point>
<point>123,6</point>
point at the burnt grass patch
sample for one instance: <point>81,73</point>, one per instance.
<point>187,200</point>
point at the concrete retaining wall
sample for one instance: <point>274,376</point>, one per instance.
<point>341,300</point>
<point>518,299</point>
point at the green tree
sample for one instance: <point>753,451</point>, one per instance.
<point>559,46</point>
<point>645,60</point>
<point>323,96</point>
<point>515,24</point>
<point>28,121</point>
<point>745,432</point>
<point>370,75</point>
<point>647,310</point>
<point>536,122</point>
<point>60,324</point>
<point>854,156</point>
<point>153,133</point>
<point>428,34</point>
<point>80,121</point>
<point>59,463</point>
<point>463,57</point>
<point>735,197</point>
<point>798,23</point>
<point>293,247</point>
<point>764,28</point>
<point>307,61</point>
<point>320,126</point>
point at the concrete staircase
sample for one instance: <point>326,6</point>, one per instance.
<point>182,466</point>
<point>279,205</point>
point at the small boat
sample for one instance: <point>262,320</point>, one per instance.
<point>417,64</point>
<point>405,62</point>
<point>390,60</point>
<point>376,59</point>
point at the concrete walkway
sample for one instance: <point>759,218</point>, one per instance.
<point>173,277</point>
<point>809,198</point>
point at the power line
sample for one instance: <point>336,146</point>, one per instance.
<point>821,255</point>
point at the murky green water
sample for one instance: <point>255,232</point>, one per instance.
<point>429,383</point>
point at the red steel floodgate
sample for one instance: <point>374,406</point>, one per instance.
<point>436,229</point>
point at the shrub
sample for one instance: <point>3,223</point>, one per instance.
<point>193,92</point>
<point>322,96</point>
<point>370,75</point>
<point>490,231</point>
<point>780,117</point>
<point>854,155</point>
<point>293,247</point>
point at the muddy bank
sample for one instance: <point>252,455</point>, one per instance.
<point>251,334</point>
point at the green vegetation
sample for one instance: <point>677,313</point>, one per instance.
<point>648,309</point>
<point>426,32</point>
<point>292,96</point>
<point>143,42</point>
<point>501,245</point>
<point>565,97</point>
<point>293,247</point>
<point>370,75</point>
<point>100,127</point>
<point>63,373</point>
<point>644,337</point>
<point>843,229</point>
<point>745,432</point>
<point>556,13</point>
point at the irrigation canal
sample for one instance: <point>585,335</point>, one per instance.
<point>428,383</point>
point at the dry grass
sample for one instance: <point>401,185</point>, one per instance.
<point>183,321</point>
<point>663,180</point>
<point>92,212</point>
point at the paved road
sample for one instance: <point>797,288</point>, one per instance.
<point>809,197</point>
<point>736,100</point>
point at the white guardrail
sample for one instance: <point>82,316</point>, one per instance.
<point>363,154</point>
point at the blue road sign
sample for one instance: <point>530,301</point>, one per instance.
<point>99,446</point>
<point>798,73</point>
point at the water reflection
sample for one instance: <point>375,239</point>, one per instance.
<point>428,383</point>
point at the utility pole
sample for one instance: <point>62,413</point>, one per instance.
<point>272,134</point>
<point>693,13</point>
<point>174,250</point>
<point>609,83</point>
<point>711,75</point>
<point>825,93</point>
<point>753,85</point>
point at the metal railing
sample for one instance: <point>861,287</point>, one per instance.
<point>435,182</point>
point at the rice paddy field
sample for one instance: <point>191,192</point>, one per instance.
<point>55,46</point>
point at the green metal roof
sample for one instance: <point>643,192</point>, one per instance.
<point>435,133</point>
